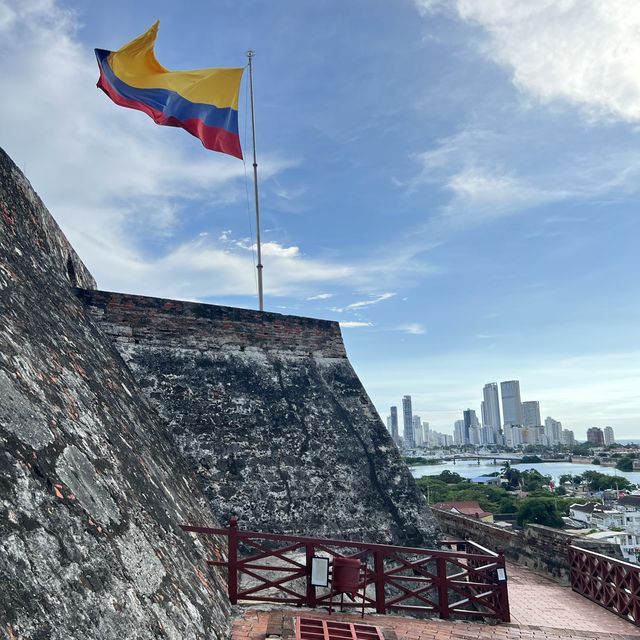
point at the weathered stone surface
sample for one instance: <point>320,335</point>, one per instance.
<point>271,416</point>
<point>91,487</point>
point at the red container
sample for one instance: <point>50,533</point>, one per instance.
<point>346,575</point>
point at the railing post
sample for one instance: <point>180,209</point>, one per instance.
<point>570,557</point>
<point>503,592</point>
<point>232,564</point>
<point>443,591</point>
<point>311,590</point>
<point>378,567</point>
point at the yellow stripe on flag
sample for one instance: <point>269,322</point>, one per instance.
<point>135,63</point>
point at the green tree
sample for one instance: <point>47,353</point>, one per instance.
<point>435,490</point>
<point>600,481</point>
<point>508,504</point>
<point>533,480</point>
<point>511,476</point>
<point>450,477</point>
<point>625,464</point>
<point>539,511</point>
<point>582,449</point>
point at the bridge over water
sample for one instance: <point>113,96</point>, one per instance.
<point>514,458</point>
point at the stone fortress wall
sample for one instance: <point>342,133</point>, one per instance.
<point>271,415</point>
<point>91,487</point>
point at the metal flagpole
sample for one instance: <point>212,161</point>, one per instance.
<point>250,55</point>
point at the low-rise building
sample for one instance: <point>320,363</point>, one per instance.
<point>631,506</point>
<point>619,524</point>
<point>582,512</point>
<point>466,508</point>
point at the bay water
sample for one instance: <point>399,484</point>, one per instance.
<point>471,469</point>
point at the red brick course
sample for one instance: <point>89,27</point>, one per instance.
<point>173,323</point>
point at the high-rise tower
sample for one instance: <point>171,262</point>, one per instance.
<point>393,419</point>
<point>407,423</point>
<point>595,436</point>
<point>470,434</point>
<point>531,414</point>
<point>608,436</point>
<point>511,403</point>
<point>491,409</point>
<point>417,431</point>
<point>553,429</point>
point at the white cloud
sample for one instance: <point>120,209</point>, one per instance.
<point>469,165</point>
<point>288,194</point>
<point>201,268</point>
<point>414,328</point>
<point>366,303</point>
<point>488,177</point>
<point>321,296</point>
<point>7,17</point>
<point>355,325</point>
<point>275,249</point>
<point>480,194</point>
<point>582,52</point>
<point>428,6</point>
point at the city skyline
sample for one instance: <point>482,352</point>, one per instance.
<point>455,183</point>
<point>528,413</point>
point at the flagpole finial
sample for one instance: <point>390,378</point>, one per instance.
<point>250,53</point>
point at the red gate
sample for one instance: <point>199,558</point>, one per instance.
<point>467,582</point>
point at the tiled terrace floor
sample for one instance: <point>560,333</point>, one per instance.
<point>537,600</point>
<point>540,610</point>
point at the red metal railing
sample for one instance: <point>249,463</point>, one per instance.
<point>277,568</point>
<point>613,584</point>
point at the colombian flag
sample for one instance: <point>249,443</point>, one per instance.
<point>204,101</point>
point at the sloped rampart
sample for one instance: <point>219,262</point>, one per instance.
<point>92,488</point>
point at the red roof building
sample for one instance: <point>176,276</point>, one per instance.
<point>469,508</point>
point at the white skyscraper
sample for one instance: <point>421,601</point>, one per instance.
<point>407,419</point>
<point>553,429</point>
<point>487,435</point>
<point>608,436</point>
<point>531,414</point>
<point>426,435</point>
<point>417,431</point>
<point>511,403</point>
<point>458,432</point>
<point>491,409</point>
<point>516,436</point>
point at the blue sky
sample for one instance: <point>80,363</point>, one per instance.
<point>455,181</point>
